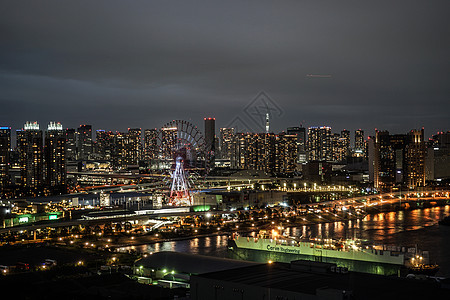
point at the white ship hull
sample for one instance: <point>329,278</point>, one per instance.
<point>319,251</point>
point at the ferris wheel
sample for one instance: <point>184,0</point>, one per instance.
<point>183,146</point>
<point>182,139</point>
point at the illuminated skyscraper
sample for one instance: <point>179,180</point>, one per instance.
<point>151,147</point>
<point>320,143</point>
<point>399,160</point>
<point>338,147</point>
<point>345,136</point>
<point>102,144</point>
<point>71,144</point>
<point>286,146</point>
<point>384,162</point>
<point>5,147</point>
<point>133,147</point>
<point>30,148</point>
<point>84,141</point>
<point>55,157</point>
<point>359,141</point>
<point>270,153</point>
<point>300,132</point>
<point>227,143</point>
<point>415,159</point>
<point>119,150</point>
<point>437,164</point>
<point>210,136</point>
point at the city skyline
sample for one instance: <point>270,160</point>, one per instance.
<point>366,134</point>
<point>142,65</point>
<point>225,149</point>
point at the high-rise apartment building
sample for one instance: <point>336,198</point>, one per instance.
<point>169,136</point>
<point>84,142</point>
<point>151,147</point>
<point>320,143</point>
<point>210,136</point>
<point>300,132</point>
<point>71,144</point>
<point>55,157</point>
<point>119,150</point>
<point>133,147</point>
<point>286,153</point>
<point>339,147</point>
<point>360,146</point>
<point>415,159</point>
<point>398,160</point>
<point>5,148</point>
<point>101,143</point>
<point>345,136</point>
<point>30,148</point>
<point>384,162</point>
<point>270,153</point>
<point>227,142</point>
<point>437,164</point>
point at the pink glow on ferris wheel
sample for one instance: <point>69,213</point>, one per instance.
<point>179,192</point>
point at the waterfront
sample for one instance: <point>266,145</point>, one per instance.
<point>406,228</point>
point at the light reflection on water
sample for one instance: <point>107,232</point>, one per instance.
<point>404,228</point>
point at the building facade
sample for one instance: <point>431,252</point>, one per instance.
<point>55,158</point>
<point>320,145</point>
<point>31,160</point>
<point>210,142</point>
<point>71,144</point>
<point>84,142</point>
<point>399,160</point>
<point>133,147</point>
<point>151,147</point>
<point>5,148</point>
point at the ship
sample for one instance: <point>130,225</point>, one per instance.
<point>318,249</point>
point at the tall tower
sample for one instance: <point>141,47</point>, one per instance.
<point>360,147</point>
<point>55,157</point>
<point>133,146</point>
<point>300,132</point>
<point>345,135</point>
<point>320,145</point>
<point>84,141</point>
<point>210,136</point>
<point>118,150</point>
<point>150,144</point>
<point>226,142</point>
<point>415,159</point>
<point>71,144</point>
<point>5,147</point>
<point>267,123</point>
<point>30,147</point>
<point>101,143</point>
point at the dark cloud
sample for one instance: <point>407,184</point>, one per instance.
<point>119,64</point>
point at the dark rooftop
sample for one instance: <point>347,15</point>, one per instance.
<point>282,276</point>
<point>190,263</point>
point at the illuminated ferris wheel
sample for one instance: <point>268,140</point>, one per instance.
<point>183,145</point>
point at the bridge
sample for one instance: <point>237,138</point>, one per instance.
<point>153,217</point>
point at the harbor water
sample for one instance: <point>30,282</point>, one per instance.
<point>403,228</point>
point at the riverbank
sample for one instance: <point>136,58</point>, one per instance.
<point>247,226</point>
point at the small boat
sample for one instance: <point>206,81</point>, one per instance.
<point>424,269</point>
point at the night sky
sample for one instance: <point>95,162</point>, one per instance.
<point>120,64</point>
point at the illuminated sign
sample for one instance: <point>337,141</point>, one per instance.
<point>23,219</point>
<point>202,208</point>
<point>53,217</point>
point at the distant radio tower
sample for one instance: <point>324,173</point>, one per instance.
<point>267,123</point>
